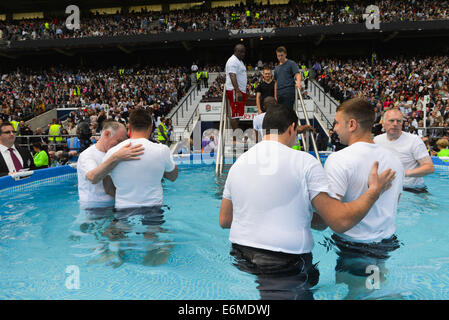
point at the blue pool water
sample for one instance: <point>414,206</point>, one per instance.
<point>43,232</point>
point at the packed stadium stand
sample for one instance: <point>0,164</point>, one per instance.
<point>242,16</point>
<point>142,56</point>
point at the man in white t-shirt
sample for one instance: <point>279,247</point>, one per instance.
<point>92,170</point>
<point>271,217</point>
<point>138,189</point>
<point>138,183</point>
<point>348,171</point>
<point>409,148</point>
<point>236,80</point>
<point>258,120</point>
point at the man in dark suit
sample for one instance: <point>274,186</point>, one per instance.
<point>12,158</point>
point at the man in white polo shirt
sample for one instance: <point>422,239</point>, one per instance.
<point>409,148</point>
<point>369,241</point>
<point>236,80</point>
<point>271,217</point>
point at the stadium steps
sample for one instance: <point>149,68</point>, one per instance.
<point>179,129</point>
<point>326,105</point>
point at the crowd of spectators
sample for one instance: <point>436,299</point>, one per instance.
<point>414,85</point>
<point>224,18</point>
<point>27,93</point>
<point>96,95</point>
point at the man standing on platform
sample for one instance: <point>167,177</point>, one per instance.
<point>265,89</point>
<point>236,80</point>
<point>286,79</point>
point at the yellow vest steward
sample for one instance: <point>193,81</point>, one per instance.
<point>257,15</point>
<point>198,75</point>
<point>160,137</point>
<point>54,131</point>
<point>306,74</point>
<point>15,124</point>
<point>248,13</point>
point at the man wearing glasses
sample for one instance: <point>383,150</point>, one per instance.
<point>12,158</point>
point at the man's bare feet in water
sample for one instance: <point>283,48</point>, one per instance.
<point>111,258</point>
<point>157,257</point>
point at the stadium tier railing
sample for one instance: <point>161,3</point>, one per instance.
<point>54,143</point>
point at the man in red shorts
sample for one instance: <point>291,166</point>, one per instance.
<point>236,84</point>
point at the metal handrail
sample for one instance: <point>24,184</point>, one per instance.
<point>322,115</point>
<point>306,116</point>
<point>224,114</point>
<point>53,143</point>
<point>186,100</point>
<point>321,91</point>
<point>195,113</point>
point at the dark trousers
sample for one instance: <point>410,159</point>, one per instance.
<point>286,97</point>
<point>280,276</point>
<point>355,257</point>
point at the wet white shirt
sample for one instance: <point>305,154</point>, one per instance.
<point>91,195</point>
<point>257,123</point>
<point>409,148</point>
<point>271,187</point>
<point>138,182</point>
<point>348,171</point>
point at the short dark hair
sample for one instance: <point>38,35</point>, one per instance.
<point>140,119</point>
<point>267,102</point>
<point>267,67</point>
<point>5,124</point>
<point>281,49</point>
<point>37,145</point>
<point>360,110</point>
<point>279,118</point>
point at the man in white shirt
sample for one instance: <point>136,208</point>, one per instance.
<point>236,80</point>
<point>370,241</point>
<point>258,120</point>
<point>91,168</point>
<point>271,217</point>
<point>138,183</point>
<point>409,148</point>
<point>91,171</point>
<point>137,186</point>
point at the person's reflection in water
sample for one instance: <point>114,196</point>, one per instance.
<point>360,265</point>
<point>123,228</point>
<point>280,276</point>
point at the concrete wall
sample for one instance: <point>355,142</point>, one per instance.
<point>42,120</point>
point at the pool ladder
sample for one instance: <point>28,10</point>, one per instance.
<point>225,121</point>
<point>225,124</point>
